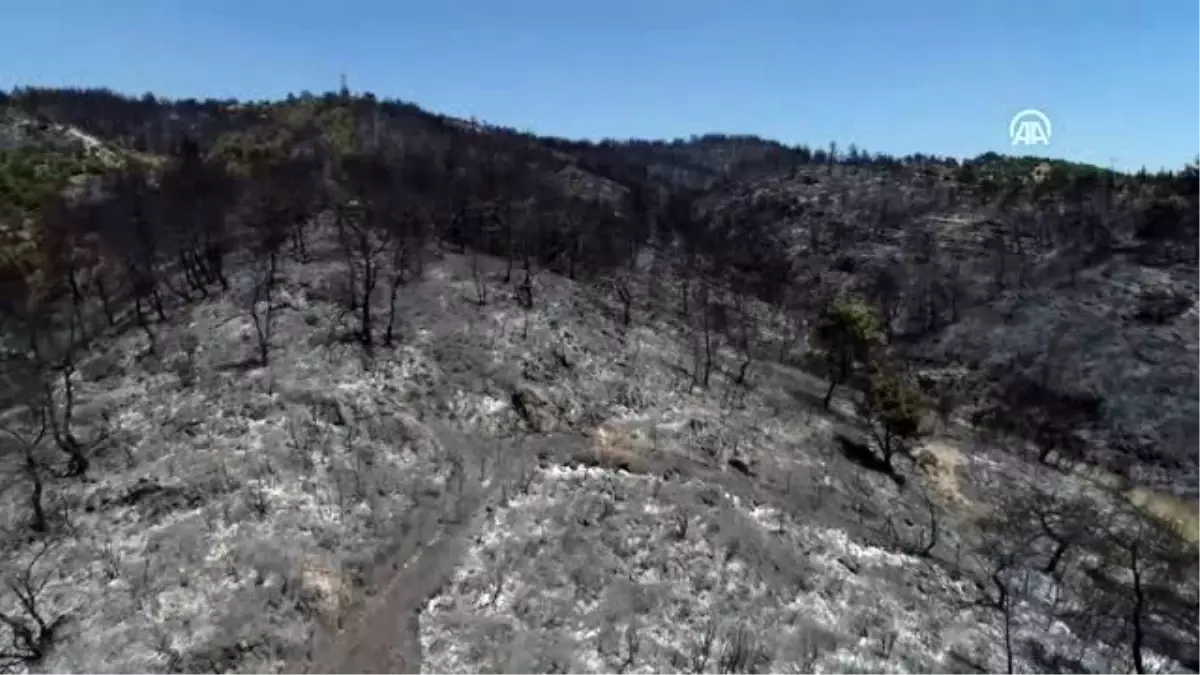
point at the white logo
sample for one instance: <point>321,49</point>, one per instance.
<point>1029,127</point>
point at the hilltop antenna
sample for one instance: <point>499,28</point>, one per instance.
<point>345,89</point>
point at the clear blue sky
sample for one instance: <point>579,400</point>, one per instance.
<point>1119,80</point>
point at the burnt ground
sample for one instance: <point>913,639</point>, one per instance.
<point>509,490</point>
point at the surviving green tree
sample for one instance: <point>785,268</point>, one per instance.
<point>847,332</point>
<point>895,407</point>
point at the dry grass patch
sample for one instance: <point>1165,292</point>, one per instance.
<point>618,446</point>
<point>942,463</point>
<point>1179,514</point>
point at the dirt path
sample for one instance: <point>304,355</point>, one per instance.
<point>382,635</point>
<point>385,637</point>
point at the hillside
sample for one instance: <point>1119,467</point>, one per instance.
<point>1034,314</point>
<point>335,384</point>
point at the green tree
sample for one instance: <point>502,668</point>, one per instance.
<point>848,330</point>
<point>895,407</point>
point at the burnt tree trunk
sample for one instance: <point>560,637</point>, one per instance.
<point>393,290</point>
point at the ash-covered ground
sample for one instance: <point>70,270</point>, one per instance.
<point>512,490</point>
<point>591,571</point>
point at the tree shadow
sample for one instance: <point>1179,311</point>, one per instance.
<point>859,452</point>
<point>241,365</point>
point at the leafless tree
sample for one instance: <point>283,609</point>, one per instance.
<point>32,629</point>
<point>702,646</point>
<point>262,307</point>
<point>741,652</point>
<point>271,211</point>
<point>1064,522</point>
<point>1137,609</point>
<point>887,291</point>
<point>706,341</point>
<point>745,337</point>
<point>365,204</point>
<point>32,469</point>
<point>999,563</point>
<point>619,283</point>
<point>1152,571</point>
<point>189,207</point>
<point>407,258</point>
<point>32,314</point>
<point>479,278</point>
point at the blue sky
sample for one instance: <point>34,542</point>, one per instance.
<point>1119,80</point>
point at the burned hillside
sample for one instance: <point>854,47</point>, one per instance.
<point>334,384</point>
